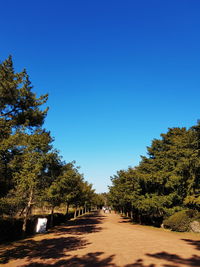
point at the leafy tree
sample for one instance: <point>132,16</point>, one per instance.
<point>30,180</point>
<point>18,104</point>
<point>19,111</point>
<point>99,200</point>
<point>88,195</point>
<point>165,181</point>
<point>65,188</point>
<point>23,144</point>
<point>31,172</point>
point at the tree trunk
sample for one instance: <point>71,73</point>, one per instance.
<point>27,212</point>
<point>139,218</point>
<point>51,218</point>
<point>22,211</point>
<point>75,212</point>
<point>79,211</point>
<point>67,209</point>
<point>131,215</point>
<point>85,209</point>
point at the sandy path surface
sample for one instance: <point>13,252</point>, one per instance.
<point>99,240</point>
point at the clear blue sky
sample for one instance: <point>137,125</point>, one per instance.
<point>118,73</point>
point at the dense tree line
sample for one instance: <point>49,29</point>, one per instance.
<point>167,180</point>
<point>31,170</point>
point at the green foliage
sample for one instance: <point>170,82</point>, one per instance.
<point>193,202</point>
<point>166,180</point>
<point>66,187</point>
<point>31,172</point>
<point>18,104</point>
<point>180,221</point>
<point>9,205</point>
<point>101,200</point>
<point>20,116</point>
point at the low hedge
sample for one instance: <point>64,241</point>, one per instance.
<point>11,228</point>
<point>180,221</point>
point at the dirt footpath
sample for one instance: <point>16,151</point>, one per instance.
<point>99,240</point>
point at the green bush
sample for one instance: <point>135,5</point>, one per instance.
<point>180,221</point>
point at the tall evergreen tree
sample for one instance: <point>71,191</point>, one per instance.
<point>21,119</point>
<point>165,181</point>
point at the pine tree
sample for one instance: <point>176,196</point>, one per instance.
<point>23,143</point>
<point>167,180</point>
<point>19,110</point>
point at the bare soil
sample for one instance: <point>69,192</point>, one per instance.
<point>98,240</point>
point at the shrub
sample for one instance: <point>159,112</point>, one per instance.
<point>180,221</point>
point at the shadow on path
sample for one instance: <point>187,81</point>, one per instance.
<point>139,263</point>
<point>57,244</point>
<point>195,243</point>
<point>194,260</point>
<point>125,220</point>
<point>88,260</point>
<point>54,249</point>
<point>93,260</point>
<point>173,260</point>
<point>44,249</point>
<point>84,225</point>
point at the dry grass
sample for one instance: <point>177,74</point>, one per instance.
<point>47,210</point>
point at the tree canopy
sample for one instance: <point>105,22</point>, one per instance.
<point>31,171</point>
<point>165,181</point>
